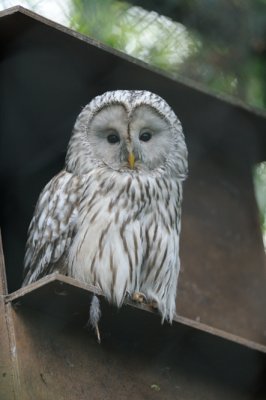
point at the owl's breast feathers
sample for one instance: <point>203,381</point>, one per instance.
<point>119,232</point>
<point>134,196</point>
<point>123,220</point>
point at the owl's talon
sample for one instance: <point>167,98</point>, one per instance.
<point>153,304</point>
<point>139,297</point>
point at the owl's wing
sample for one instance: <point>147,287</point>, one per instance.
<point>52,227</point>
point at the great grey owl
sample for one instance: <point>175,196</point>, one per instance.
<point>111,218</point>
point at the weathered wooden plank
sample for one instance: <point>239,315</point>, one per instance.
<point>7,389</point>
<point>138,357</point>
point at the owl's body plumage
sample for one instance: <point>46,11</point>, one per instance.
<point>108,223</point>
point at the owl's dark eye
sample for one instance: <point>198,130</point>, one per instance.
<point>113,138</point>
<point>145,136</point>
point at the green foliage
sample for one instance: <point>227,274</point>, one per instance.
<point>145,35</point>
<point>260,191</point>
<point>225,53</point>
<point>220,43</point>
<point>97,19</point>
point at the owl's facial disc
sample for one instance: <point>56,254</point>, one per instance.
<point>152,137</point>
<point>136,140</point>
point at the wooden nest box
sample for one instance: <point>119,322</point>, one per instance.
<point>216,347</point>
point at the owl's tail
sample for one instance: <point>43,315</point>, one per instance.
<point>95,315</point>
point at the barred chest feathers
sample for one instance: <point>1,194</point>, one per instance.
<point>127,237</point>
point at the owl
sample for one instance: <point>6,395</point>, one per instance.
<point>111,218</point>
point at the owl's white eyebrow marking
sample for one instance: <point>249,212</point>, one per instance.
<point>106,106</point>
<point>152,109</point>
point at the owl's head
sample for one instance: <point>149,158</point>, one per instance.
<point>128,131</point>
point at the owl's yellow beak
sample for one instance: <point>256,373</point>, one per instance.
<point>131,160</point>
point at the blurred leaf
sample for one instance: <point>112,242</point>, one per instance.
<point>260,192</point>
